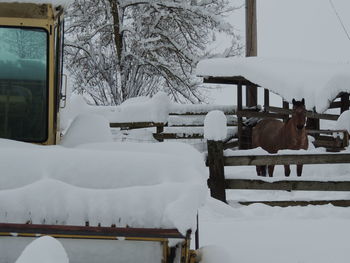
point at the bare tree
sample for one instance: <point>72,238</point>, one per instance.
<point>118,49</point>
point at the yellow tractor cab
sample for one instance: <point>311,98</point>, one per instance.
<point>31,39</point>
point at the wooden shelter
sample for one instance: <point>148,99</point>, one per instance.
<point>260,72</point>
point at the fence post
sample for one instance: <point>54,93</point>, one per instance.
<point>216,181</point>
<point>159,130</point>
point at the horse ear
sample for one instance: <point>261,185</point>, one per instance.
<point>303,101</point>
<point>293,101</point>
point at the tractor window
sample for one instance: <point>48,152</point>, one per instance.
<point>23,84</point>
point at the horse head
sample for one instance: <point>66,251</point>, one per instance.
<point>299,114</point>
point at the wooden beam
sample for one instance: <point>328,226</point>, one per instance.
<point>89,230</point>
<point>176,136</point>
<point>135,125</point>
<point>285,106</point>
<point>251,47</point>
<point>344,99</point>
<point>235,80</point>
<point>239,119</point>
<point>215,160</point>
<point>257,114</point>
<point>229,124</point>
<point>287,159</point>
<point>335,104</point>
<point>266,98</point>
<point>339,203</point>
<point>287,185</point>
<point>309,114</point>
<point>232,112</point>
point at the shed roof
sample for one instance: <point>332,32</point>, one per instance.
<point>318,82</point>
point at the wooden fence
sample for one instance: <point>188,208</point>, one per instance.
<point>190,125</point>
<point>184,124</point>
<point>218,183</point>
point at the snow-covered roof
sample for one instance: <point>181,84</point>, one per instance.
<point>318,82</point>
<point>140,185</point>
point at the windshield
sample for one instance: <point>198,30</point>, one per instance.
<point>23,84</point>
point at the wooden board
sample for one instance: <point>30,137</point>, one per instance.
<point>287,159</point>
<point>89,231</point>
<point>287,185</point>
<point>339,203</point>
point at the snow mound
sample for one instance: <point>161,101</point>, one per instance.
<point>215,126</point>
<point>343,122</point>
<point>318,82</point>
<point>44,249</point>
<point>87,128</point>
<point>140,109</point>
<point>213,254</point>
<point>140,185</point>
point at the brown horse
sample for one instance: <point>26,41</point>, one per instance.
<point>273,135</point>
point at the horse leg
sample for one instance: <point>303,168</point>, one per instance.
<point>299,169</point>
<point>286,170</point>
<point>258,170</point>
<point>271,168</point>
<point>261,170</point>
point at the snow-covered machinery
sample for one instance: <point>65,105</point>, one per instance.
<point>31,37</point>
<point>44,195</point>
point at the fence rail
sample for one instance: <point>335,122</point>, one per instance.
<point>286,159</point>
<point>217,183</point>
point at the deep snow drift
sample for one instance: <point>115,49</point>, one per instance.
<point>139,185</point>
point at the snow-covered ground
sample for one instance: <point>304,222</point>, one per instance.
<point>162,185</point>
<point>258,233</point>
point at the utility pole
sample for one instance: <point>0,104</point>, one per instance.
<point>251,46</point>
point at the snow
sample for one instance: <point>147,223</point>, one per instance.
<point>139,185</point>
<point>63,3</point>
<point>318,82</point>
<point>142,109</point>
<point>199,108</point>
<point>88,250</point>
<point>44,249</point>
<point>213,254</point>
<point>343,122</point>
<point>258,233</point>
<point>215,126</point>
<point>87,128</point>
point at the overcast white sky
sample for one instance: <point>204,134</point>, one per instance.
<point>306,29</point>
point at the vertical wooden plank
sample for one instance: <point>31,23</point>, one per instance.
<point>251,28</point>
<point>251,47</point>
<point>313,124</point>
<point>344,99</point>
<point>239,119</point>
<point>197,234</point>
<point>216,181</point>
<point>285,105</point>
<point>160,129</point>
<point>266,98</point>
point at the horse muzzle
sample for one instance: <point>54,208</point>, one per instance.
<point>300,127</point>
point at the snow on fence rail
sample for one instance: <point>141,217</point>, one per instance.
<point>217,160</point>
<point>184,122</point>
